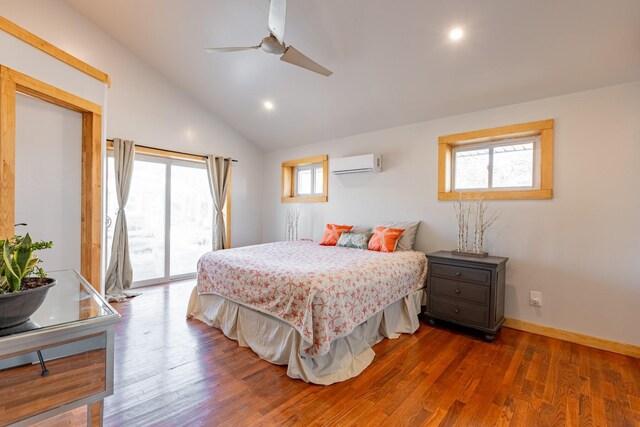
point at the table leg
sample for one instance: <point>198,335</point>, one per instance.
<point>94,414</point>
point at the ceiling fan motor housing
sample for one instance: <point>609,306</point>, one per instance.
<point>271,45</point>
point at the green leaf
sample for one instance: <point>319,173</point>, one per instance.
<point>26,242</point>
<point>22,258</point>
<point>16,268</point>
<point>8,260</point>
<point>32,263</point>
<point>13,277</point>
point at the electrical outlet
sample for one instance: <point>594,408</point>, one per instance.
<point>535,298</point>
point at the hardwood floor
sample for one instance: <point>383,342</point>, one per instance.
<point>177,372</point>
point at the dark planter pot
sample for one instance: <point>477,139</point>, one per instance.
<point>17,307</point>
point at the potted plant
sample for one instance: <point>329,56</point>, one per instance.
<point>23,283</point>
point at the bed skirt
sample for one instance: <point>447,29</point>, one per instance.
<point>278,342</point>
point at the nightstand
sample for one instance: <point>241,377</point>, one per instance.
<point>467,291</point>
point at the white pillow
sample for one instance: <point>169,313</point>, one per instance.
<point>406,240</point>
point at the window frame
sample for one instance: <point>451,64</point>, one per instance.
<point>535,170</point>
<point>543,170</point>
<point>289,176</point>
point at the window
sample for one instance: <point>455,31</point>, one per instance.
<point>305,180</point>
<point>309,180</point>
<point>501,165</point>
<point>510,162</point>
<point>169,217</point>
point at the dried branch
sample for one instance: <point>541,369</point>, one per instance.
<point>482,224</point>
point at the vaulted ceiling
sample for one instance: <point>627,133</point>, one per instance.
<point>393,63</point>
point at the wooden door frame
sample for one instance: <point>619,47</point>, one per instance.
<point>13,82</point>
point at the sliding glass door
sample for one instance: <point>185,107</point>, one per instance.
<point>191,213</point>
<point>169,217</point>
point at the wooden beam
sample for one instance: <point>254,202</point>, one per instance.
<point>286,182</point>
<point>325,178</point>
<point>546,160</point>
<point>304,199</point>
<point>500,132</point>
<point>91,199</point>
<point>444,168</point>
<point>7,156</point>
<point>305,161</point>
<point>48,48</point>
<point>46,92</point>
<point>497,195</point>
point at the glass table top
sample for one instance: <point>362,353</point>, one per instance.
<point>70,300</point>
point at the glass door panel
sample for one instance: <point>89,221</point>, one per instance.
<point>146,220</point>
<point>191,217</point>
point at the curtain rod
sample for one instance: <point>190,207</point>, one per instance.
<point>171,151</point>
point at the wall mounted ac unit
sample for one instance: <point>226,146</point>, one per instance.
<point>356,164</point>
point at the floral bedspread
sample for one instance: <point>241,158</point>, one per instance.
<point>324,292</point>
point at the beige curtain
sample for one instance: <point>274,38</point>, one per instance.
<point>120,273</point>
<point>219,171</point>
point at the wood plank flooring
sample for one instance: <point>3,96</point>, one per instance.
<point>176,372</point>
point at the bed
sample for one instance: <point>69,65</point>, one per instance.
<point>315,308</point>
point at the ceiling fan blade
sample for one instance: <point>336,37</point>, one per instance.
<point>295,57</point>
<point>277,18</point>
<point>230,49</point>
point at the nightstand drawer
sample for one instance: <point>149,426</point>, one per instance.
<point>461,273</point>
<point>477,294</point>
<point>459,311</point>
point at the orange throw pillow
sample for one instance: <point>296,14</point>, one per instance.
<point>385,239</point>
<point>333,233</point>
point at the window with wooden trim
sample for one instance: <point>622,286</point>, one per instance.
<point>305,180</point>
<point>509,162</point>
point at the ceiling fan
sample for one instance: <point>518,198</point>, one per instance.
<point>274,42</point>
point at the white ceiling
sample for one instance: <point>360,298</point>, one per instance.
<point>392,61</point>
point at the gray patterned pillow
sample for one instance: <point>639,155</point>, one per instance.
<point>354,240</point>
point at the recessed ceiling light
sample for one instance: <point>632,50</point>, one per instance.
<point>268,105</point>
<point>456,34</point>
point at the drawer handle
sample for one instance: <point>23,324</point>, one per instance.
<point>457,310</point>
<point>458,274</point>
<point>457,291</point>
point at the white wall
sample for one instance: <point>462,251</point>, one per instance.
<point>49,178</point>
<point>580,249</point>
<point>141,104</point>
